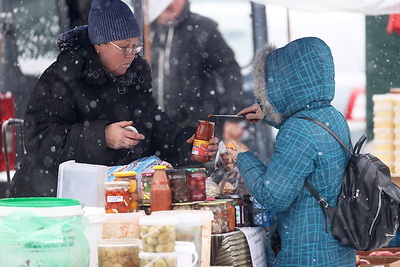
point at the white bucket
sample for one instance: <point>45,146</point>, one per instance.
<point>56,208</point>
<point>94,232</point>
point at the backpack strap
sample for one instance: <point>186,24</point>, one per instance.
<point>321,201</point>
<point>329,131</point>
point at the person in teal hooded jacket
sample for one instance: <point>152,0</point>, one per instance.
<point>295,81</point>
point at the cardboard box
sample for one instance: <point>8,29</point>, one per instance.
<point>396,179</point>
<point>381,261</point>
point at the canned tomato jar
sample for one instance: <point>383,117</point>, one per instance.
<point>130,176</point>
<point>117,197</point>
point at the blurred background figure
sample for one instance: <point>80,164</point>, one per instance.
<point>194,70</point>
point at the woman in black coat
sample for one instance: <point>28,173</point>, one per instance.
<point>82,102</point>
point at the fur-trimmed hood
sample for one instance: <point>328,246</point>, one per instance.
<point>297,76</point>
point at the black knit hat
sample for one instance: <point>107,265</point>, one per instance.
<point>111,20</point>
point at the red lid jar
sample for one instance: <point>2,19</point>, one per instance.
<point>204,132</point>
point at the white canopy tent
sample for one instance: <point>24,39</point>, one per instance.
<point>366,7</point>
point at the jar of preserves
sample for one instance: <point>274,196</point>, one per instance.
<point>196,184</point>
<point>145,187</point>
<point>184,206</point>
<point>231,213</point>
<point>130,176</point>
<point>220,223</point>
<point>204,132</point>
<point>117,197</point>
<point>160,191</point>
<point>179,185</point>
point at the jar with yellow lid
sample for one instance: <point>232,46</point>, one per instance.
<point>130,176</point>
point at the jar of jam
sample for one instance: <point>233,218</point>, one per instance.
<point>204,132</point>
<point>145,187</point>
<point>220,223</point>
<point>160,191</point>
<point>196,184</point>
<point>231,213</point>
<point>179,185</point>
<point>130,176</point>
<point>117,197</point>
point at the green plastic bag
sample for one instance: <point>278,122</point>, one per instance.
<point>29,240</point>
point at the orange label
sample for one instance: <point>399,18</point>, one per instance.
<point>200,147</point>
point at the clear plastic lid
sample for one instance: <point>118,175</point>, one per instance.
<point>119,242</point>
<point>157,220</point>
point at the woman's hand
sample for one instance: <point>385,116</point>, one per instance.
<point>234,152</point>
<point>253,114</point>
<point>117,137</point>
<point>212,147</point>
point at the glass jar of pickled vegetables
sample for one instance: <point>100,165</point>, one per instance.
<point>145,187</point>
<point>196,184</point>
<point>117,197</point>
<point>179,185</point>
<point>130,176</point>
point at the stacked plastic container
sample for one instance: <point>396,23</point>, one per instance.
<point>396,134</point>
<point>384,143</point>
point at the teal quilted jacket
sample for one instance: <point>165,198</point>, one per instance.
<point>293,81</point>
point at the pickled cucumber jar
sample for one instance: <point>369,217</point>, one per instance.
<point>130,176</point>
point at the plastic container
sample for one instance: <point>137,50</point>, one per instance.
<point>188,227</point>
<point>119,252</point>
<point>94,231</point>
<point>122,225</point>
<point>83,182</point>
<point>52,246</point>
<point>197,184</point>
<point>179,185</point>
<point>206,217</point>
<point>130,176</point>
<point>220,224</point>
<point>117,197</point>
<point>158,233</point>
<point>158,259</point>
<point>57,208</point>
<point>187,254</point>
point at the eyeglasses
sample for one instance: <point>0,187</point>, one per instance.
<point>127,50</point>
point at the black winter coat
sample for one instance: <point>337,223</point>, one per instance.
<point>72,103</point>
<point>194,70</point>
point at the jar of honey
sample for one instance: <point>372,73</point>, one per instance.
<point>204,132</point>
<point>130,176</point>
<point>117,197</point>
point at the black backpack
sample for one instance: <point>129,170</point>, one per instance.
<point>367,213</point>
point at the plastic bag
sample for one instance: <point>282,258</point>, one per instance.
<point>145,164</point>
<point>227,175</point>
<point>29,240</point>
<point>232,183</point>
